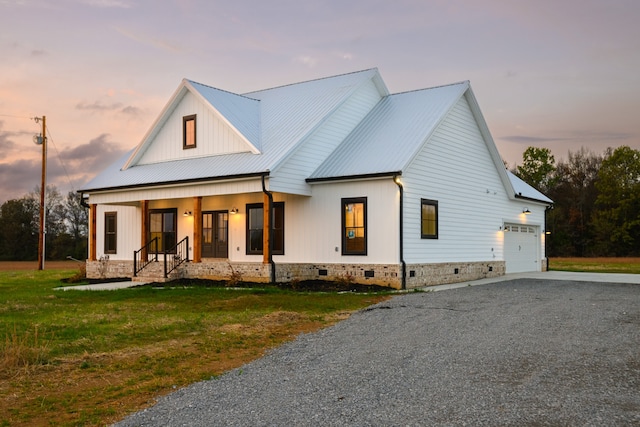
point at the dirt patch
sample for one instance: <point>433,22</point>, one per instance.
<point>302,286</point>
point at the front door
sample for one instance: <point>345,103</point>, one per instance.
<point>215,233</point>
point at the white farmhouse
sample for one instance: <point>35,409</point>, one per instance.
<point>333,178</point>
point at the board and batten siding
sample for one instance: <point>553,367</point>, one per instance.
<point>127,231</point>
<point>313,228</point>
<point>456,169</point>
<point>290,176</point>
<point>213,135</point>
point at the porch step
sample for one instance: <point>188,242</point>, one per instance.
<point>154,272</point>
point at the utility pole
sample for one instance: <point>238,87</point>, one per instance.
<point>43,186</point>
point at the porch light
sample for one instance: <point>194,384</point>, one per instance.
<point>187,213</point>
<point>234,211</point>
<point>526,211</point>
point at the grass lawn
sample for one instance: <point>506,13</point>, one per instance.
<point>92,357</point>
<point>596,265</point>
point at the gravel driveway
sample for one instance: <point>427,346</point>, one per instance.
<point>521,352</point>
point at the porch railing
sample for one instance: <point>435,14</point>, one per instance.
<point>176,256</point>
<point>141,256</point>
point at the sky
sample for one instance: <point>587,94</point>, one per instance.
<point>556,74</point>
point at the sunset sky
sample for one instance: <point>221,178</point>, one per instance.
<point>560,74</point>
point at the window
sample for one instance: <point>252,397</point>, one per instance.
<point>354,226</point>
<point>255,227</point>
<point>110,232</point>
<point>163,225</point>
<point>189,131</point>
<point>429,219</point>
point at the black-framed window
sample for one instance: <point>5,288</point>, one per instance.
<point>110,232</point>
<point>163,224</point>
<point>354,226</point>
<point>189,131</point>
<point>255,228</point>
<point>428,219</point>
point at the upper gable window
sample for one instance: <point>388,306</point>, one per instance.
<point>189,131</point>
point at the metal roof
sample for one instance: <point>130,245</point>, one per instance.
<point>241,112</point>
<point>391,134</point>
<point>276,121</point>
<point>287,115</point>
<point>525,191</point>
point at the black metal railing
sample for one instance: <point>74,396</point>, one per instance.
<point>176,256</point>
<point>142,255</point>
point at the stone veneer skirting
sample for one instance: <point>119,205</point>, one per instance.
<point>417,275</point>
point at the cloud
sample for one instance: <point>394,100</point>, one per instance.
<point>107,3</point>
<point>6,140</point>
<point>18,178</point>
<point>131,110</point>
<point>307,60</point>
<point>38,52</point>
<point>93,156</point>
<point>574,136</point>
<point>151,41</point>
<point>99,107</point>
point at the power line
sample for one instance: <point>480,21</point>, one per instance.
<point>15,117</point>
<point>60,158</point>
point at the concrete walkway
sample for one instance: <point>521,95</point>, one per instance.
<point>545,275</point>
<point>101,286</point>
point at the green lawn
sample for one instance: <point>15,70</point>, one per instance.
<point>596,265</point>
<point>91,357</point>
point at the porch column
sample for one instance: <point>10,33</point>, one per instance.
<point>266,230</point>
<point>93,215</point>
<point>197,229</point>
<point>144,229</point>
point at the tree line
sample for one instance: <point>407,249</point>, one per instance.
<point>596,210</point>
<point>65,227</point>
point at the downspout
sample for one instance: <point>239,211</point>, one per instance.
<point>270,214</point>
<point>403,273</point>
<point>82,202</point>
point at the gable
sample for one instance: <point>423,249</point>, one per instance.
<point>272,123</point>
<point>213,135</point>
<point>225,123</point>
<point>391,134</point>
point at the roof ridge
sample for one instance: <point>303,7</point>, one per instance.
<point>312,80</point>
<point>222,90</point>
<point>433,87</point>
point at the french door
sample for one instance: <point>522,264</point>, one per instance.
<point>215,234</point>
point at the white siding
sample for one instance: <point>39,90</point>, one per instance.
<point>313,228</point>
<point>213,136</point>
<point>456,169</point>
<point>128,223</point>
<point>290,176</point>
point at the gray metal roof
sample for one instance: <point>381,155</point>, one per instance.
<point>242,112</point>
<point>392,133</point>
<point>522,189</point>
<point>287,115</point>
<point>277,120</point>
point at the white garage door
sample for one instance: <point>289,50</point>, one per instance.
<point>521,248</point>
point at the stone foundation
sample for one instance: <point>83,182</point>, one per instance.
<point>544,264</point>
<point>366,274</point>
<point>223,270</point>
<point>106,269</point>
<point>417,275</point>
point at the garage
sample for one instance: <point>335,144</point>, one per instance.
<point>521,252</point>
